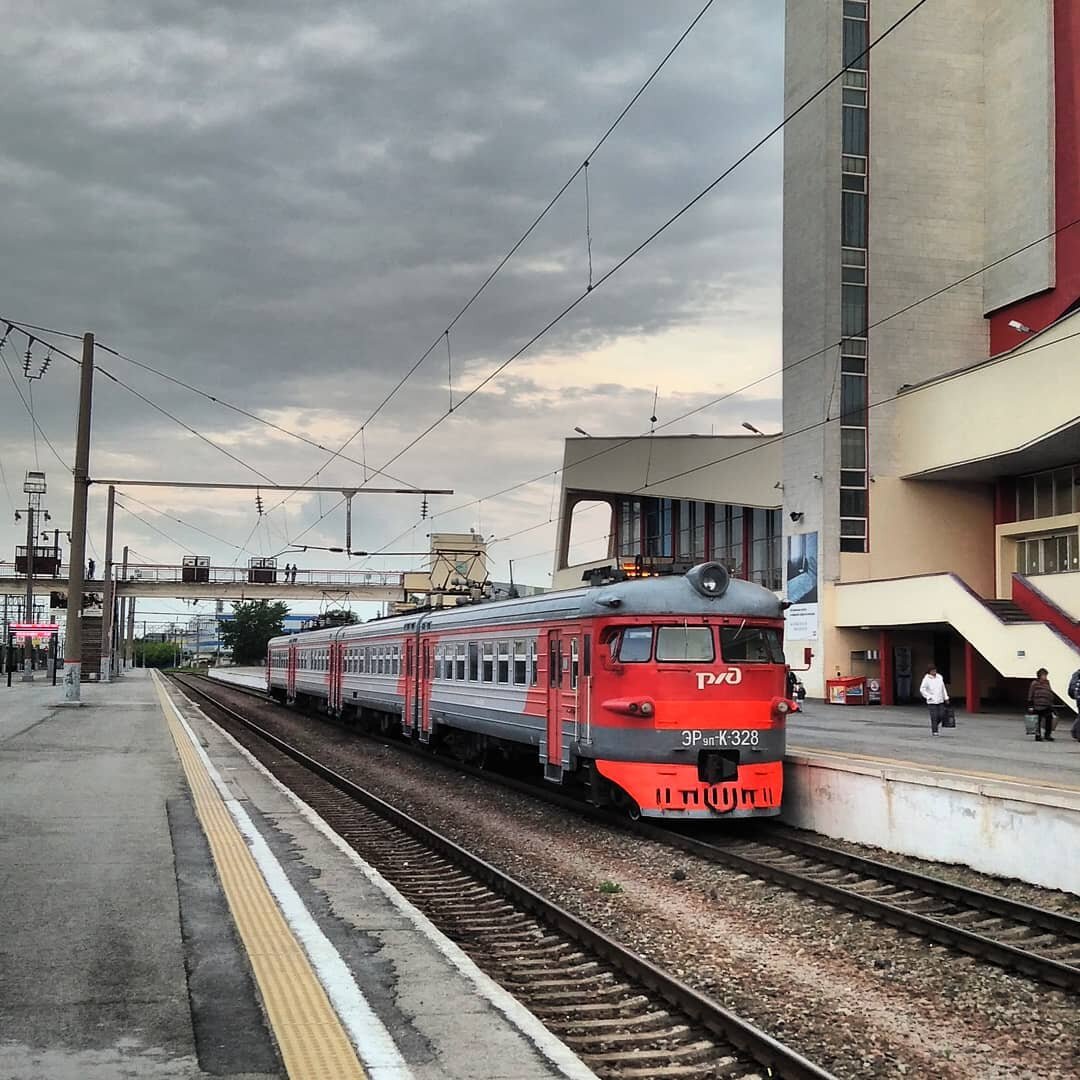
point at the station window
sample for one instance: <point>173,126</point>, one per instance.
<point>681,643</point>
<point>504,662</point>
<point>856,36</point>
<point>691,535</point>
<point>1056,553</point>
<point>635,645</point>
<point>750,645</point>
<point>765,544</point>
<point>1048,494</point>
<point>727,547</point>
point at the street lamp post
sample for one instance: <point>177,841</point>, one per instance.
<point>35,487</point>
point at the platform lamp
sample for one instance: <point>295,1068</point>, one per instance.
<point>34,486</point>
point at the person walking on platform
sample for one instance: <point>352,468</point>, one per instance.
<point>1074,693</point>
<point>1041,703</point>
<point>935,695</point>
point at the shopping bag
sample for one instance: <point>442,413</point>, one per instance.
<point>948,717</point>
<point>1031,723</point>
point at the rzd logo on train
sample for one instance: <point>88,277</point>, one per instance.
<point>709,678</point>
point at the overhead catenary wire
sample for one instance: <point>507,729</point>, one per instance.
<point>218,400</point>
<point>152,528</point>
<point>148,401</point>
<point>29,410</point>
<point>657,232</point>
<point>179,521</point>
<point>621,442</point>
<point>528,232</point>
<point>784,436</point>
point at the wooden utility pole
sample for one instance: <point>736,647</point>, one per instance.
<point>77,565</point>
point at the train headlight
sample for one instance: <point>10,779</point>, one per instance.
<point>646,708</point>
<point>782,707</point>
<point>710,579</point>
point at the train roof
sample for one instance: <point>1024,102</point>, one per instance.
<point>674,595</point>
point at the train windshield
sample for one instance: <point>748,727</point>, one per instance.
<point>751,645</point>
<point>685,643</point>
<point>635,645</point>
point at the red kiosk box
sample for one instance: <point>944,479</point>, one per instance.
<point>846,691</point>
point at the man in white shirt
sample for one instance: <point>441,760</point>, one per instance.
<point>936,697</point>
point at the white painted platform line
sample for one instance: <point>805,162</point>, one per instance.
<point>374,1044</point>
<point>556,1051</point>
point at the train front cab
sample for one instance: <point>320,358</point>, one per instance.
<point>689,715</point>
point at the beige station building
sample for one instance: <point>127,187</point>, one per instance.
<point>923,502</point>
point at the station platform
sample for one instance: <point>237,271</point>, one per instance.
<point>171,912</point>
<point>983,794</point>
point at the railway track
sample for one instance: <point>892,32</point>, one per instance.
<point>1032,941</point>
<point>625,1018</point>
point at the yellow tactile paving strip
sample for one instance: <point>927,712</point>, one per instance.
<point>309,1034</point>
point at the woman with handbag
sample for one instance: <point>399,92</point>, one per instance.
<point>1041,703</point>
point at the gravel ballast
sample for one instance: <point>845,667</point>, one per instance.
<point>859,998</point>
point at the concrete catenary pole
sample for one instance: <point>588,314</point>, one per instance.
<point>28,609</point>
<point>77,567</point>
<point>131,631</point>
<point>109,592</point>
<point>121,635</point>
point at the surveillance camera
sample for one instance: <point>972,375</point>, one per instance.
<point>796,515</point>
<point>1019,326</point>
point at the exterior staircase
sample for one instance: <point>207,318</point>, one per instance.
<point>1008,611</point>
<point>1014,642</point>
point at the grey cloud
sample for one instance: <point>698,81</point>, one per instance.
<point>288,210</point>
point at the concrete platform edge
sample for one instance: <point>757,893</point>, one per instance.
<point>1009,829</point>
<point>557,1053</point>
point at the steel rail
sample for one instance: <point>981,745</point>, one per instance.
<point>1011,957</point>
<point>1041,918</point>
<point>713,1017</point>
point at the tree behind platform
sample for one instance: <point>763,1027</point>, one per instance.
<point>253,624</point>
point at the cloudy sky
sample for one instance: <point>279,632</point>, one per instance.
<point>285,205</point>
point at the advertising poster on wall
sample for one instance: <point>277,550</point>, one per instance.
<point>802,587</point>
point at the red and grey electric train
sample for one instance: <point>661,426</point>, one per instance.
<point>663,695</point>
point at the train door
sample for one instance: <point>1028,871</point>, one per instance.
<point>290,673</point>
<point>408,712</point>
<point>423,683</point>
<point>563,675</point>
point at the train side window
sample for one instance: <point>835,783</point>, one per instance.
<point>459,660</point>
<point>488,668</point>
<point>534,665</point>
<point>554,665</point>
<point>685,643</point>
<point>586,656</point>
<point>574,663</point>
<point>521,666</point>
<point>396,659</point>
<point>474,661</point>
<point>503,669</point>
<point>635,645</point>
<point>751,645</point>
